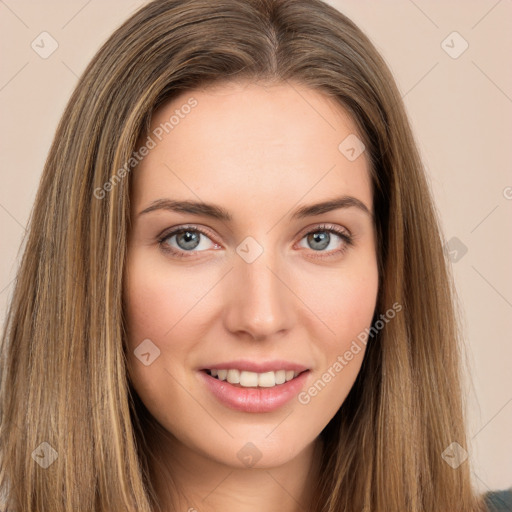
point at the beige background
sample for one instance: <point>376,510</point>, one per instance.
<point>460,109</point>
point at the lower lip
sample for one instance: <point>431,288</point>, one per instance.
<point>254,399</point>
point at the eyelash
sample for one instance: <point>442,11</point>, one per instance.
<point>323,228</point>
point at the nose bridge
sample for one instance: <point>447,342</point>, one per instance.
<point>259,300</point>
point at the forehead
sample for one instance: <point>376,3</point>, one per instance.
<point>244,143</point>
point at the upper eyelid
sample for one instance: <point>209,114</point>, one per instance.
<point>327,226</point>
<point>166,233</point>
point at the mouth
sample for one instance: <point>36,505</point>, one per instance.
<point>254,392</point>
<point>248,379</point>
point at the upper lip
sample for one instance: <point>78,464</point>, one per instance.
<point>257,366</point>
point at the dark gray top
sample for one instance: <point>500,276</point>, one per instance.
<point>499,501</point>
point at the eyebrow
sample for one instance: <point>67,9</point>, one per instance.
<point>218,212</point>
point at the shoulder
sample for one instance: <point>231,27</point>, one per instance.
<point>499,501</point>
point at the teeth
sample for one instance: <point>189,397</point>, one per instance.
<point>248,379</point>
<point>233,377</point>
<point>281,377</point>
<point>252,379</point>
<point>267,380</point>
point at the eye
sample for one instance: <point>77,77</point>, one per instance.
<point>321,238</point>
<point>185,241</point>
<point>188,239</point>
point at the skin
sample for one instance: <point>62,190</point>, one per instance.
<point>259,152</point>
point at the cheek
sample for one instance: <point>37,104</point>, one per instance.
<point>152,308</point>
<point>351,305</point>
<point>156,297</point>
<point>350,312</point>
<point>346,308</point>
<point>146,301</point>
<point>343,300</point>
<point>163,305</point>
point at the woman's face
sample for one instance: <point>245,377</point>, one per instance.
<point>259,283</point>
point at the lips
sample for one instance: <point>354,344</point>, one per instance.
<point>253,400</point>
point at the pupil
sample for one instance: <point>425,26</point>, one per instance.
<point>321,238</point>
<point>190,242</point>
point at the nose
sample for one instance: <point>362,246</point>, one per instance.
<point>260,302</point>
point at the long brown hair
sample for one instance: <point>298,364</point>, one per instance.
<point>64,378</point>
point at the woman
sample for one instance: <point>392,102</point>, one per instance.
<point>233,293</point>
